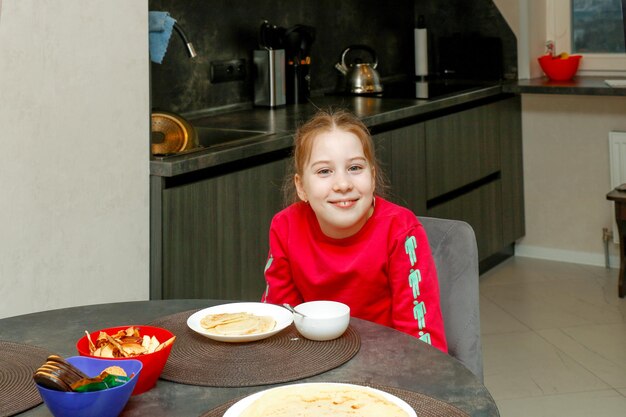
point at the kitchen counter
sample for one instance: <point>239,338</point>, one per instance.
<point>282,122</point>
<point>580,85</point>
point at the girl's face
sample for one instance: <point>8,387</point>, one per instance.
<point>338,182</point>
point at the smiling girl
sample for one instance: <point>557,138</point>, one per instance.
<point>342,242</point>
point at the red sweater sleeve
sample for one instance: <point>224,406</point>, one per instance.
<point>280,287</point>
<point>415,289</point>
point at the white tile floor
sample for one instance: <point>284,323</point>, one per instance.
<point>554,339</point>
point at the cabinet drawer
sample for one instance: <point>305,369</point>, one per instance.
<point>482,209</point>
<point>462,148</point>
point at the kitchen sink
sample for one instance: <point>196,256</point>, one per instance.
<point>212,137</point>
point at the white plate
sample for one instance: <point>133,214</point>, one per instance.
<point>236,409</point>
<point>282,316</point>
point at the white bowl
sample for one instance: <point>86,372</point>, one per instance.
<point>325,320</point>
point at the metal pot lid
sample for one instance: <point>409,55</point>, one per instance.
<point>169,133</point>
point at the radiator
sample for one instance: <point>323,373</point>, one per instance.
<point>617,164</point>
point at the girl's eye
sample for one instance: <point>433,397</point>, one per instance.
<point>323,171</point>
<point>355,168</point>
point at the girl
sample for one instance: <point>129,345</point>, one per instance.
<point>342,242</point>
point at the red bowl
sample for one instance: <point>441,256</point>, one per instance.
<point>153,363</point>
<point>558,69</point>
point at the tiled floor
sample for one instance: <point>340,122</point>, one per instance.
<point>554,339</point>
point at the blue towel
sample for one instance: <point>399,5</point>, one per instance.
<point>160,27</point>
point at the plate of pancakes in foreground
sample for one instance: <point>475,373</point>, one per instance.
<point>240,322</point>
<point>319,399</point>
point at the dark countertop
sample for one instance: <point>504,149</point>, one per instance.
<point>386,357</point>
<point>580,85</point>
<point>283,121</point>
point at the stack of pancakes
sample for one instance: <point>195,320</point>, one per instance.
<point>237,324</point>
<point>323,400</point>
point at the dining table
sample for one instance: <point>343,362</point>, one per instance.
<point>367,354</point>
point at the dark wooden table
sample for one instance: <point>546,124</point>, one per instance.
<point>620,217</point>
<point>386,357</point>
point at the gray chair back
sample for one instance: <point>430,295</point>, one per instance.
<point>453,245</point>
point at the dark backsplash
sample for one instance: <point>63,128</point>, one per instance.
<point>223,30</point>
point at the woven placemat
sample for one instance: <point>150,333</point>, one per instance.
<point>18,363</point>
<point>423,405</point>
<point>284,357</point>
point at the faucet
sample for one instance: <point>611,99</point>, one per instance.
<point>190,49</point>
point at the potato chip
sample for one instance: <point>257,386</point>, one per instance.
<point>126,343</point>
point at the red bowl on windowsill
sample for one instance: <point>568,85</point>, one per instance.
<point>559,69</point>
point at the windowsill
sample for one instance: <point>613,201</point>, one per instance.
<point>580,85</point>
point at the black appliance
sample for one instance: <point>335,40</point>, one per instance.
<point>469,57</point>
<point>297,41</point>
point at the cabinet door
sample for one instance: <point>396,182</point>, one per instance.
<point>482,209</point>
<point>215,233</point>
<point>462,148</point>
<point>401,154</point>
<point>513,224</point>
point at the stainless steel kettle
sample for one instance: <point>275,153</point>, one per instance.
<point>361,77</point>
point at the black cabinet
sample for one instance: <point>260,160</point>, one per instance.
<point>511,170</point>
<point>401,154</point>
<point>464,165</point>
<point>462,148</point>
<point>214,233</point>
<point>482,208</point>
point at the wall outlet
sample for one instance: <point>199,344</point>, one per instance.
<point>231,70</point>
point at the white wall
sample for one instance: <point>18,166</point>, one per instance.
<point>566,176</point>
<point>74,206</point>
<point>510,10</point>
<point>566,160</point>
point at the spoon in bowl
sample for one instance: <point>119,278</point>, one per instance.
<point>290,308</point>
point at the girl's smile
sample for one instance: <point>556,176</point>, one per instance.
<point>345,203</point>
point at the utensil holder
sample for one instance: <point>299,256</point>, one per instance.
<point>269,78</point>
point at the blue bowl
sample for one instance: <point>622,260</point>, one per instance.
<point>108,402</point>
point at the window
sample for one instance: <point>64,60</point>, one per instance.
<point>592,28</point>
<point>597,26</point>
